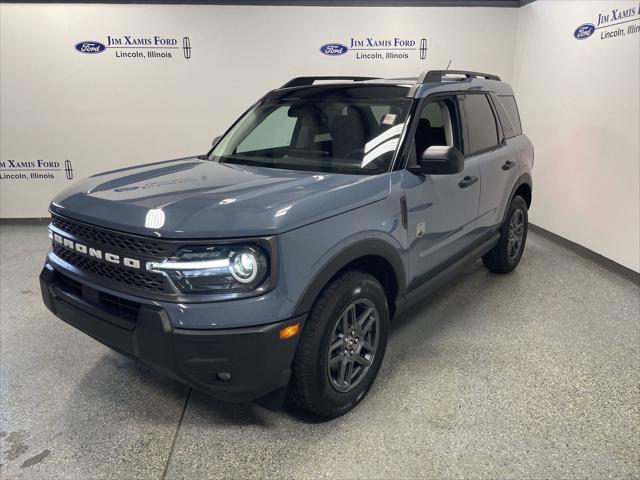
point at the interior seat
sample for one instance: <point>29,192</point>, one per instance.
<point>426,136</point>
<point>423,136</point>
<point>347,134</point>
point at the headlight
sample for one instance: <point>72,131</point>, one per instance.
<point>215,269</point>
<point>245,266</point>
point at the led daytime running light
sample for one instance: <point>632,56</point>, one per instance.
<point>196,265</point>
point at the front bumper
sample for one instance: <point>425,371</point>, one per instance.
<point>239,364</point>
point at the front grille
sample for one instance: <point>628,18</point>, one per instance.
<point>70,285</point>
<point>110,239</point>
<point>119,306</point>
<point>125,310</point>
<point>149,281</point>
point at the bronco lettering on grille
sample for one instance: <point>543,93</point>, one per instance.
<point>93,252</point>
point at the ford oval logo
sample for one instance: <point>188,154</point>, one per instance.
<point>333,49</point>
<point>584,31</point>
<point>90,47</point>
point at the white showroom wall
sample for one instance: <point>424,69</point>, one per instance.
<point>579,99</point>
<point>580,105</point>
<point>101,111</point>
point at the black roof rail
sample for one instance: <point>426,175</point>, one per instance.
<point>305,81</point>
<point>436,76</point>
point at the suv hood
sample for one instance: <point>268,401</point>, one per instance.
<point>205,199</point>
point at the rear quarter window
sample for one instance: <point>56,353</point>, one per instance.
<point>509,103</point>
<point>505,120</point>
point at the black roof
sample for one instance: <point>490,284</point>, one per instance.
<point>375,87</point>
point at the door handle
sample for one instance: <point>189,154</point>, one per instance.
<point>467,181</point>
<point>508,165</point>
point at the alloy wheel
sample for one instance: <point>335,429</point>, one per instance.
<point>515,234</point>
<point>354,341</point>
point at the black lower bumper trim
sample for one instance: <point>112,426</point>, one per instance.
<point>232,364</point>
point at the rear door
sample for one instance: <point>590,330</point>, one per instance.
<point>495,157</point>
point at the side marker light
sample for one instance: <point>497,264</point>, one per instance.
<point>290,331</point>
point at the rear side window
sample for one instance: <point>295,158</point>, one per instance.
<point>481,123</point>
<point>509,103</point>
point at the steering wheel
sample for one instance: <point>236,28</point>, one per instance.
<point>356,153</point>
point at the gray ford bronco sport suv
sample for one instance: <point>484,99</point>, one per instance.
<point>271,267</point>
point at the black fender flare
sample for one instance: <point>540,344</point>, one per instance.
<point>367,247</point>
<point>524,179</point>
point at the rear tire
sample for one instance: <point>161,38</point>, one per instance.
<point>342,346</point>
<point>505,256</point>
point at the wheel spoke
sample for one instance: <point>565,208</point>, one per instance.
<point>362,360</point>
<point>367,326</point>
<point>348,374</point>
<point>343,371</point>
<point>348,318</point>
<point>338,343</point>
<point>364,317</point>
<point>336,359</point>
<point>366,346</point>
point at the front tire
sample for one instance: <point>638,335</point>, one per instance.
<point>505,256</point>
<point>342,346</point>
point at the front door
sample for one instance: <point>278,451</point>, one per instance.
<point>442,210</point>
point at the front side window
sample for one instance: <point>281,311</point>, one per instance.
<point>335,136</point>
<point>481,123</point>
<point>437,125</point>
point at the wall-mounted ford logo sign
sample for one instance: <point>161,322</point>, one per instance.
<point>90,47</point>
<point>584,31</point>
<point>333,49</point>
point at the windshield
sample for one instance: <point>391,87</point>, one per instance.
<point>335,136</point>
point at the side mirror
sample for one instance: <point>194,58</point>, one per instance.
<point>440,160</point>
<point>213,144</point>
